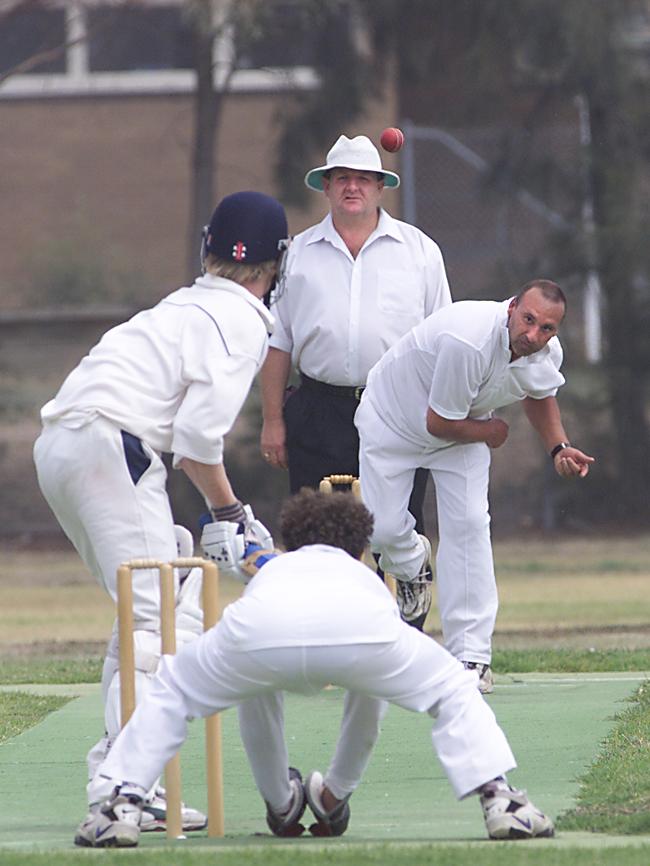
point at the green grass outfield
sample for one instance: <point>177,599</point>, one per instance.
<point>403,812</point>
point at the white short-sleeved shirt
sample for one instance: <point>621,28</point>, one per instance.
<point>295,600</point>
<point>338,315</point>
<point>458,363</point>
<point>175,375</point>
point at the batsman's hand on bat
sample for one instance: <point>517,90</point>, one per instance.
<point>239,548</point>
<point>570,462</point>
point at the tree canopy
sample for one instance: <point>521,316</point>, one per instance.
<point>524,63</point>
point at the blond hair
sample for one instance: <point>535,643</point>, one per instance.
<point>238,272</point>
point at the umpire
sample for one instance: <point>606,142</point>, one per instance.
<point>356,282</point>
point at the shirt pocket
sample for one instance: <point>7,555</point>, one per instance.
<point>401,293</point>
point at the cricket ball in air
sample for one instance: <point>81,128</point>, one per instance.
<point>392,139</point>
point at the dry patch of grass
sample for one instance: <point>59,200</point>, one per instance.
<point>556,592</point>
<point>44,613</point>
<point>51,598</point>
<point>574,600</point>
<point>581,592</point>
<point>541,554</point>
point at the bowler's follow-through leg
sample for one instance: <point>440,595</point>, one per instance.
<point>413,597</point>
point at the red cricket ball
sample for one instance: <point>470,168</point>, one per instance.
<point>392,139</point>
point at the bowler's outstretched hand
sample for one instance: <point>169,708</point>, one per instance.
<point>571,462</point>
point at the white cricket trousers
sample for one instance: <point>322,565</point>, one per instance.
<point>466,585</point>
<point>84,474</point>
<point>210,675</point>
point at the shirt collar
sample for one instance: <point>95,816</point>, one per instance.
<point>210,282</point>
<point>322,548</point>
<point>503,321</point>
<point>386,227</point>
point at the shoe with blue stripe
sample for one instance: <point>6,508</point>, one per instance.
<point>115,823</point>
<point>509,814</point>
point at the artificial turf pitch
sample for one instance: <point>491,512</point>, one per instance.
<point>554,723</point>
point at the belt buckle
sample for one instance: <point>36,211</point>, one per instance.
<point>358,391</point>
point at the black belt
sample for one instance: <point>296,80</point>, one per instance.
<point>333,390</point>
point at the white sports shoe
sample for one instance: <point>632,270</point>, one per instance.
<point>333,823</point>
<point>115,823</point>
<point>288,824</point>
<point>414,596</point>
<point>485,678</point>
<point>154,814</point>
<point>509,814</point>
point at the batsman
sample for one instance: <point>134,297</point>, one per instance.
<point>172,379</point>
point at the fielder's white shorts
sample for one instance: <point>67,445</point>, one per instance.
<point>210,675</point>
<point>466,585</point>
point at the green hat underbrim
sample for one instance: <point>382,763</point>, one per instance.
<point>314,178</point>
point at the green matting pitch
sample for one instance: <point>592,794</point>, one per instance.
<point>554,723</point>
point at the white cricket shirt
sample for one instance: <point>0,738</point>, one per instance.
<point>338,315</point>
<point>295,600</point>
<point>176,375</point>
<point>458,363</point>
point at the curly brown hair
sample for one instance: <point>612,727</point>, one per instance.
<point>337,519</point>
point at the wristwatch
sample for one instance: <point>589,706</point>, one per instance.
<point>560,447</point>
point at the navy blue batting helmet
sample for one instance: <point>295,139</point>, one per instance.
<point>246,227</point>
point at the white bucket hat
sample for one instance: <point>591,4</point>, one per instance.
<point>358,153</point>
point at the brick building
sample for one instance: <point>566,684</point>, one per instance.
<point>96,136</point>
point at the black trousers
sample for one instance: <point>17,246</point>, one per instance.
<point>322,440</point>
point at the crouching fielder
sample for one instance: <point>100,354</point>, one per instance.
<point>313,616</point>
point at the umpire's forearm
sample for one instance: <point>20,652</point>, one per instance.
<point>274,376</point>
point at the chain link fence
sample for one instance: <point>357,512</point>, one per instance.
<point>458,187</point>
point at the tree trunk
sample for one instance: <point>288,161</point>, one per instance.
<point>207,109</point>
<point>614,196</point>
